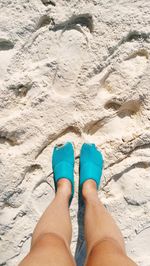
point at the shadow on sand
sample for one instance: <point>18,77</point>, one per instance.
<point>80,253</point>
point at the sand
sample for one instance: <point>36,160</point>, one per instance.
<point>74,71</point>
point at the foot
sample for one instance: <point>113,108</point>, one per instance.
<point>63,167</point>
<point>91,164</point>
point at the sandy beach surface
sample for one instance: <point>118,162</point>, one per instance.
<point>74,71</point>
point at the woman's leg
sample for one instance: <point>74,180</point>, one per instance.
<point>105,244</point>
<point>52,235</point>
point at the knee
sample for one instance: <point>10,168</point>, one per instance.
<point>49,239</point>
<point>105,246</point>
<point>108,252</point>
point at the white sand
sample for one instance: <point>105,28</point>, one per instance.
<point>74,84</point>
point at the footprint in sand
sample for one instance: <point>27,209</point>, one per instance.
<point>127,73</point>
<point>70,56</point>
<point>114,84</point>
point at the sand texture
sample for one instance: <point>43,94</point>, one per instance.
<point>74,71</point>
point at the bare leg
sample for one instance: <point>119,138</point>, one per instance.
<point>105,244</point>
<point>52,235</point>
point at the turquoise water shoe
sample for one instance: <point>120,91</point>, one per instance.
<point>91,164</point>
<point>63,164</point>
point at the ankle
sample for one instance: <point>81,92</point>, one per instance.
<point>89,189</point>
<point>64,187</point>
